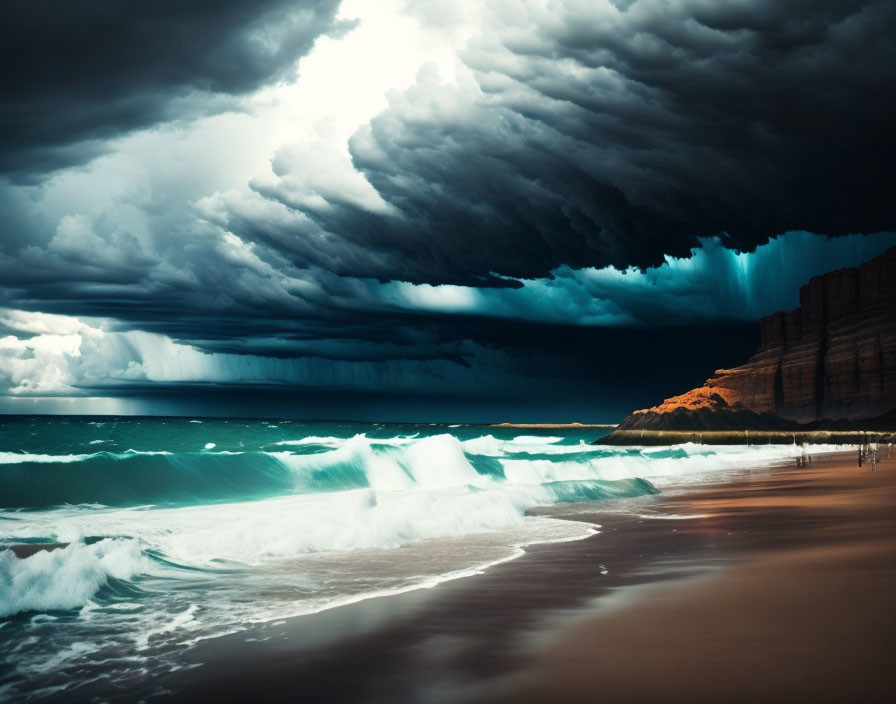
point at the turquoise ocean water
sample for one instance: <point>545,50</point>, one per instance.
<point>166,531</point>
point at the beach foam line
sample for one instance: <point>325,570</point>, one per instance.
<point>516,550</point>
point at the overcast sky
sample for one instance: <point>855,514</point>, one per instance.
<point>433,209</point>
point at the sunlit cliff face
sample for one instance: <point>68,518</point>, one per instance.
<point>415,197</point>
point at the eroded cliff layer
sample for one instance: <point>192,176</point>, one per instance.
<point>831,360</point>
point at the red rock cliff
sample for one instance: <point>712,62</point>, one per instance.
<point>832,358</point>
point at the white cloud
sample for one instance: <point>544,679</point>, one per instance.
<point>37,323</point>
<point>73,357</point>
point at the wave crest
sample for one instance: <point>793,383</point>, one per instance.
<point>68,577</point>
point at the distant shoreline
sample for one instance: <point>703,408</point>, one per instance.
<point>746,437</point>
<point>551,425</point>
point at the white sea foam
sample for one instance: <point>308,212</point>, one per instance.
<point>65,578</point>
<point>184,619</point>
<point>380,470</point>
<point>423,495</point>
<point>332,441</point>
<point>487,445</point>
<point>490,446</point>
<point>348,520</point>
<point>684,463</point>
<point>23,457</point>
<point>20,457</point>
<point>536,531</point>
<point>439,461</point>
<point>424,490</point>
<point>313,440</point>
<point>250,532</point>
<point>535,440</point>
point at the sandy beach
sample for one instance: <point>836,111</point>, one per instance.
<point>777,585</point>
<point>806,612</point>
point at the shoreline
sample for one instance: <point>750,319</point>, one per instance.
<point>498,636</point>
<point>804,611</point>
<point>368,641</point>
<point>552,426</point>
<point>746,437</point>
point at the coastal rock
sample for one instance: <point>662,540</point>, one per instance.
<point>832,360</point>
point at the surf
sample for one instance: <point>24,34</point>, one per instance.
<point>145,533</point>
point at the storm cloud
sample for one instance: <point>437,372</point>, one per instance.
<point>594,134</point>
<point>76,74</point>
<point>481,200</point>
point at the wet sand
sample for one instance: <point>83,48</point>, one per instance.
<point>807,613</point>
<point>780,586</point>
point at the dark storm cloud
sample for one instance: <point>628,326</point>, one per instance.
<point>600,137</point>
<point>75,73</point>
<point>581,136</point>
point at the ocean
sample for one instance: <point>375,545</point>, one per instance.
<point>137,537</point>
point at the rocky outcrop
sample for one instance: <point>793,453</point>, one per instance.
<point>830,361</point>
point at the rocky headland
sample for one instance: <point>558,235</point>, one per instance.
<point>829,365</point>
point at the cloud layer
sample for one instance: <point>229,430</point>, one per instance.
<point>425,197</point>
<point>594,134</point>
<point>78,74</point>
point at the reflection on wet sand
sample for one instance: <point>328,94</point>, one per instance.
<point>776,585</point>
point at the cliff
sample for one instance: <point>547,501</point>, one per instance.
<point>829,363</point>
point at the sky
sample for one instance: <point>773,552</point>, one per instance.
<point>424,210</point>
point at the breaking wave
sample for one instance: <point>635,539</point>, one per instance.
<point>319,465</point>
<point>120,513</point>
<point>66,578</point>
